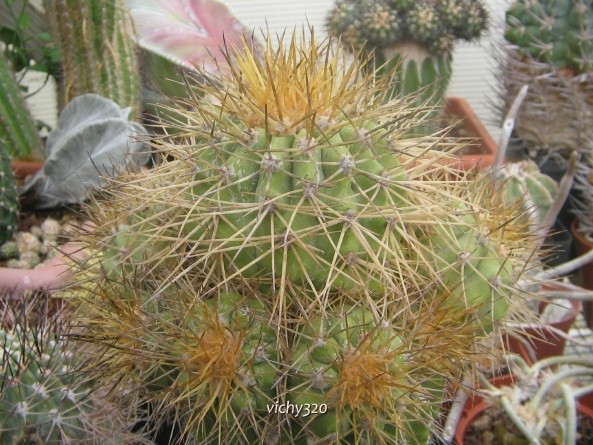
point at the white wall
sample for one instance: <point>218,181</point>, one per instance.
<point>474,67</point>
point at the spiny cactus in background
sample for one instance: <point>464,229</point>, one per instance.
<point>558,33</point>
<point>8,197</point>
<point>419,35</point>
<point>41,395</point>
<point>293,216</point>
<point>549,47</point>
<point>17,128</point>
<point>524,184</point>
<point>97,51</point>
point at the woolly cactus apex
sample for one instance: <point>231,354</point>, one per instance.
<point>20,138</point>
<point>97,51</point>
<point>8,197</point>
<point>41,394</point>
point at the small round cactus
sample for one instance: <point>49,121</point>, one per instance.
<point>42,397</point>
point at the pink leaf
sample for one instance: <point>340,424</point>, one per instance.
<point>188,32</point>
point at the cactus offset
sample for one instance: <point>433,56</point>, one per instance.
<point>8,202</point>
<point>97,51</point>
<point>296,191</point>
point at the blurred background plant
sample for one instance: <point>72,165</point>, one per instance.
<point>548,45</point>
<point>541,400</point>
<point>419,37</point>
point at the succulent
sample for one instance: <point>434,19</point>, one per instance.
<point>416,37</point>
<point>293,225</point>
<point>542,399</point>
<point>93,138</point>
<point>41,395</point>
<point>8,197</point>
<point>548,47</point>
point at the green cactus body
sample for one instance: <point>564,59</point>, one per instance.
<point>39,393</point>
<point>350,374</point>
<point>18,131</point>
<point>525,185</point>
<point>97,51</point>
<point>8,202</point>
<point>559,33</point>
<point>308,190</point>
<point>229,359</point>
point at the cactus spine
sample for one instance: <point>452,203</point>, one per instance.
<point>8,201</point>
<point>42,397</point>
<point>17,127</point>
<point>97,51</point>
<point>295,245</point>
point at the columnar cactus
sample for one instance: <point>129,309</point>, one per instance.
<point>419,35</point>
<point>295,247</point>
<point>97,51</point>
<point>17,128</point>
<point>8,197</point>
<point>549,47</point>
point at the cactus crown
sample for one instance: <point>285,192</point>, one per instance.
<point>435,24</point>
<point>560,33</point>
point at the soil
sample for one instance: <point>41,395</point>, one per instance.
<point>493,427</point>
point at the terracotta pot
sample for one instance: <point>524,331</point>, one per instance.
<point>484,144</point>
<point>475,405</point>
<point>545,343</point>
<point>25,168</point>
<point>582,246</point>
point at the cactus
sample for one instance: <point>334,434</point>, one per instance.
<point>296,192</point>
<point>97,51</point>
<point>419,36</point>
<point>548,47</point>
<point>40,394</point>
<point>8,201</point>
<point>17,127</point>
<point>524,184</point>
